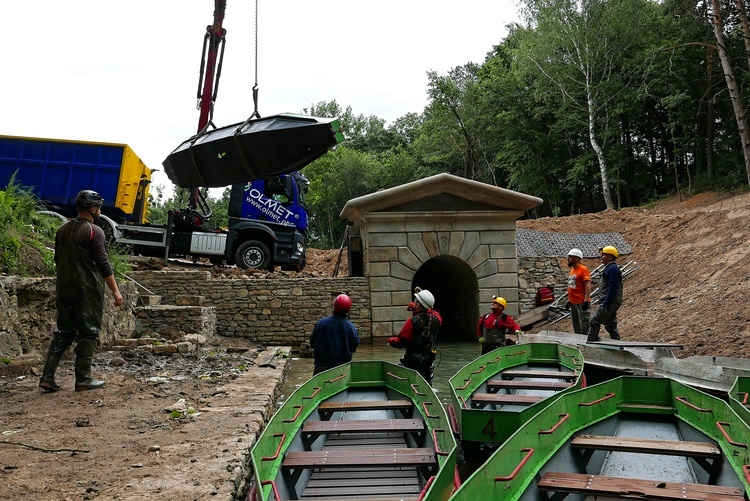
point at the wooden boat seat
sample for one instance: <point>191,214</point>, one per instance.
<point>510,384</point>
<point>365,405</point>
<point>647,446</point>
<point>364,426</point>
<point>539,374</point>
<point>631,488</point>
<point>506,399</point>
<point>358,458</point>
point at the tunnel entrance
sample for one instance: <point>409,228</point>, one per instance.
<point>455,287</point>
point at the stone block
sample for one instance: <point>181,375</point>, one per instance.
<point>455,243</point>
<point>416,245</point>
<point>498,237</point>
<point>164,349</point>
<point>398,270</point>
<point>390,314</point>
<point>379,269</point>
<point>189,300</point>
<point>382,284</point>
<point>386,239</point>
<point>380,299</point>
<point>185,347</point>
<point>149,300</point>
<point>470,244</point>
<point>408,259</point>
<point>378,254</point>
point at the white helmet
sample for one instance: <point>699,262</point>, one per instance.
<point>425,298</point>
<point>576,253</point>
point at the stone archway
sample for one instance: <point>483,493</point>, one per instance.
<point>444,233</point>
<point>454,285</point>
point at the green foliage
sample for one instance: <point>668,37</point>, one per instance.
<point>24,231</point>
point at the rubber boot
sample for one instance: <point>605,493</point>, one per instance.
<point>57,348</point>
<point>84,355</point>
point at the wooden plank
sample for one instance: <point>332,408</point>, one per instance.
<point>632,488</point>
<point>359,458</point>
<point>365,405</point>
<point>635,344</point>
<point>506,399</point>
<point>539,374</point>
<point>364,426</point>
<point>647,446</point>
<point>510,384</point>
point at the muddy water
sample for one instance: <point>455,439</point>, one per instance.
<point>450,359</point>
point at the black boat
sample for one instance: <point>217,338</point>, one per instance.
<point>255,149</point>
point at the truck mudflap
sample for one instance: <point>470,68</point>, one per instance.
<point>255,149</point>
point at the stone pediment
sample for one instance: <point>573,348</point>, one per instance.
<point>442,192</point>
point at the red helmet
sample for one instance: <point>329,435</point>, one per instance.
<point>342,304</point>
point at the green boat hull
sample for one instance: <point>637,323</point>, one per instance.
<point>491,424</point>
<point>739,397</point>
<point>285,438</point>
<point>635,409</point>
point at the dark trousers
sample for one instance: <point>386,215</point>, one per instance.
<point>606,317</point>
<point>580,319</point>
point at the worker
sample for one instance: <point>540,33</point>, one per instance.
<point>579,292</point>
<point>83,268</point>
<point>610,288</point>
<point>418,335</point>
<point>492,327</point>
<point>334,338</point>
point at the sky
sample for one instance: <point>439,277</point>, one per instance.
<point>127,72</point>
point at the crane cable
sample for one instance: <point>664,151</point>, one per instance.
<point>255,87</point>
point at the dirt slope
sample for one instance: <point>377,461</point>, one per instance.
<point>693,281</point>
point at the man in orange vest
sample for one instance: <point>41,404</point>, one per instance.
<point>579,292</point>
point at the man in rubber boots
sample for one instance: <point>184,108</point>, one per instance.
<point>83,268</point>
<point>334,339</point>
<point>492,328</point>
<point>419,334</point>
<point>610,288</point>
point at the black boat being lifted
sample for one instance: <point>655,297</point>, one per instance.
<point>255,149</point>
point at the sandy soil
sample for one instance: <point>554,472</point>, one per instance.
<point>691,287</point>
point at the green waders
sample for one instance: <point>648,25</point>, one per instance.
<point>80,305</point>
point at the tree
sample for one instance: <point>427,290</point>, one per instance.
<point>581,46</point>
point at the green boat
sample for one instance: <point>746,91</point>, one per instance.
<point>628,438</point>
<point>492,396</point>
<point>739,397</point>
<point>367,430</point>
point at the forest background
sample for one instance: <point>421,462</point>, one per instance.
<point>587,104</point>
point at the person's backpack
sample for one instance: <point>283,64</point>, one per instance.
<point>545,295</point>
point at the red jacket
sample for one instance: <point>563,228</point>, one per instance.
<point>493,320</point>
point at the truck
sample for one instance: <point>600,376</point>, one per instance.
<point>55,170</point>
<point>267,228</point>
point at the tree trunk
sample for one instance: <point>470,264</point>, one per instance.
<point>599,154</point>
<point>734,93</point>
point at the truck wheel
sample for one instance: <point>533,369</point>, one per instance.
<point>253,254</point>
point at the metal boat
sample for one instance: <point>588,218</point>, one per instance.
<point>367,430</point>
<point>739,397</point>
<point>627,438</point>
<point>255,149</point>
<point>492,396</point>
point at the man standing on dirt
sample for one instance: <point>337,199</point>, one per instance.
<point>334,339</point>
<point>579,292</point>
<point>610,288</point>
<point>418,335</point>
<point>493,326</point>
<point>83,268</point>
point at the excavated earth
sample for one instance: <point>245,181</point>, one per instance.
<point>179,427</point>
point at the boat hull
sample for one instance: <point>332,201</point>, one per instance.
<point>486,413</point>
<point>655,432</point>
<point>365,429</point>
<point>257,149</point>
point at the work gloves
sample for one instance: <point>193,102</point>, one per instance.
<point>518,333</point>
<point>481,340</point>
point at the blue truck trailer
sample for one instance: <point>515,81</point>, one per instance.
<point>57,169</point>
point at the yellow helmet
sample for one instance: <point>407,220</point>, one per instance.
<point>499,300</point>
<point>610,249</point>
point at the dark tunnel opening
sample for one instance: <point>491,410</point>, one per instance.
<point>455,287</point>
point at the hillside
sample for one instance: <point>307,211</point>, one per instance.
<point>693,281</point>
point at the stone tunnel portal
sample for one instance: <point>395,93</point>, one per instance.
<point>455,287</point>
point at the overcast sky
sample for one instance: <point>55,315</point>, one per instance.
<point>127,72</point>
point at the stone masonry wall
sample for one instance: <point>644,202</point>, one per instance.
<point>28,315</point>
<point>535,272</point>
<point>274,310</point>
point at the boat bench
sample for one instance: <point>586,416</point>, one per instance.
<point>510,384</point>
<point>633,488</point>
<point>539,374</point>
<point>647,446</point>
<point>364,426</point>
<point>358,458</point>
<point>365,405</point>
<point>506,399</point>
